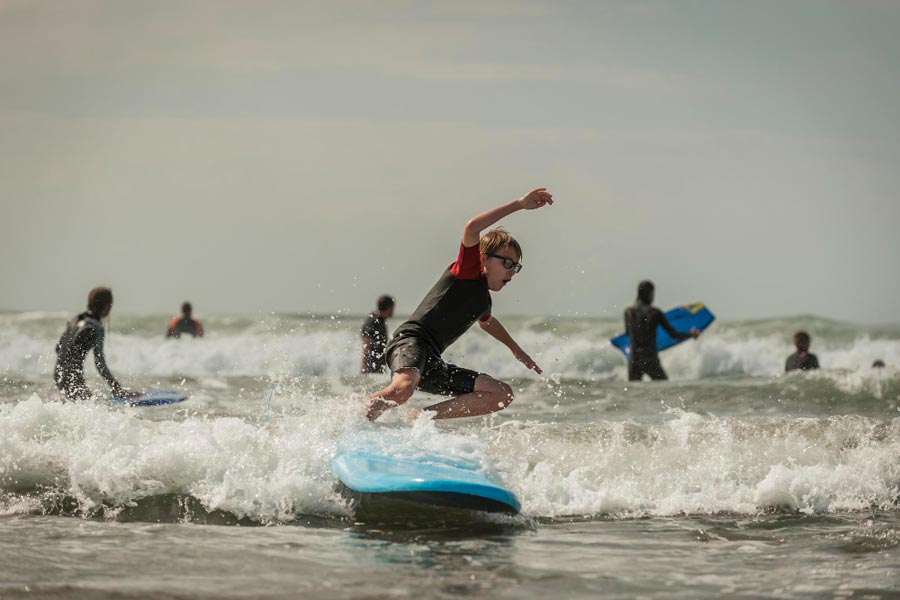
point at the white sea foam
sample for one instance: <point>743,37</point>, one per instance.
<point>107,457</point>
<point>275,470</point>
<point>693,464</point>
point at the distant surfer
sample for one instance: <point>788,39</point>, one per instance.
<point>460,297</point>
<point>83,334</point>
<point>802,359</point>
<point>185,323</point>
<point>375,336</point>
<point>641,321</point>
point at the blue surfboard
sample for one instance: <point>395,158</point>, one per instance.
<point>152,398</point>
<point>682,318</point>
<point>367,467</point>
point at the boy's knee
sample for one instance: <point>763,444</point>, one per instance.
<point>506,394</point>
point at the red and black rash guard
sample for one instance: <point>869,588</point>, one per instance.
<point>454,303</point>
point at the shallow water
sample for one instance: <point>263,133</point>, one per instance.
<point>730,480</point>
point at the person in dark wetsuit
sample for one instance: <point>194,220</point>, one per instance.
<point>83,334</point>
<point>184,323</point>
<point>375,336</point>
<point>460,297</point>
<point>802,359</point>
<point>641,321</point>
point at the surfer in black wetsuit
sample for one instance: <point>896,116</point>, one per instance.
<point>641,321</point>
<point>375,336</point>
<point>460,297</point>
<point>184,323</point>
<point>83,334</point>
<point>802,359</point>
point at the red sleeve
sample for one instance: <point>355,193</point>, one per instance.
<point>487,315</point>
<point>173,322</point>
<point>468,263</point>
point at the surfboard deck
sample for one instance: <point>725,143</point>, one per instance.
<point>152,398</point>
<point>422,477</point>
<point>682,318</point>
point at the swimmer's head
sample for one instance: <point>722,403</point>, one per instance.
<point>385,306</point>
<point>646,291</point>
<point>100,301</point>
<point>801,341</point>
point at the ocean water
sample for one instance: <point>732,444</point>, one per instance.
<point>730,480</point>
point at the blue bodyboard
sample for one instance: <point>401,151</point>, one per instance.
<point>152,398</point>
<point>682,318</point>
<point>422,477</point>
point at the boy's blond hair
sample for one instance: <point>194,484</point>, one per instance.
<point>497,238</point>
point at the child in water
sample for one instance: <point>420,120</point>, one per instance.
<point>486,263</point>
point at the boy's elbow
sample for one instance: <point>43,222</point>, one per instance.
<point>472,230</point>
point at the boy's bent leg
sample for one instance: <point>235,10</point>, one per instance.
<point>403,384</point>
<point>490,395</point>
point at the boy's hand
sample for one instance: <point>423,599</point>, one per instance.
<point>526,360</point>
<point>536,199</point>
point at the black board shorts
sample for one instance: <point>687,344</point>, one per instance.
<point>437,376</point>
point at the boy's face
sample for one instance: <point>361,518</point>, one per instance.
<point>495,272</point>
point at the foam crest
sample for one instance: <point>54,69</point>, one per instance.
<point>273,471</point>
<point>107,458</point>
<point>701,465</point>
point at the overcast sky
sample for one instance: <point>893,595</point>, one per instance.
<point>307,156</point>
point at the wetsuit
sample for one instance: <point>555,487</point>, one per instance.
<point>180,325</point>
<point>641,321</point>
<point>803,361</point>
<point>375,330</point>
<point>458,299</point>
<point>82,334</point>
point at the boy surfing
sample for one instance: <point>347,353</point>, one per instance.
<point>486,263</point>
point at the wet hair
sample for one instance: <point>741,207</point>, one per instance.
<point>99,298</point>
<point>186,307</point>
<point>497,238</point>
<point>384,302</point>
<point>878,364</point>
<point>801,340</point>
<point>645,291</point>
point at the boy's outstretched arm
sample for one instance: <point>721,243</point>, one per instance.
<point>496,330</point>
<point>530,201</point>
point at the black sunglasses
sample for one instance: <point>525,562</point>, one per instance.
<point>508,263</point>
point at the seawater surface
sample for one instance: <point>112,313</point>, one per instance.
<point>731,479</point>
